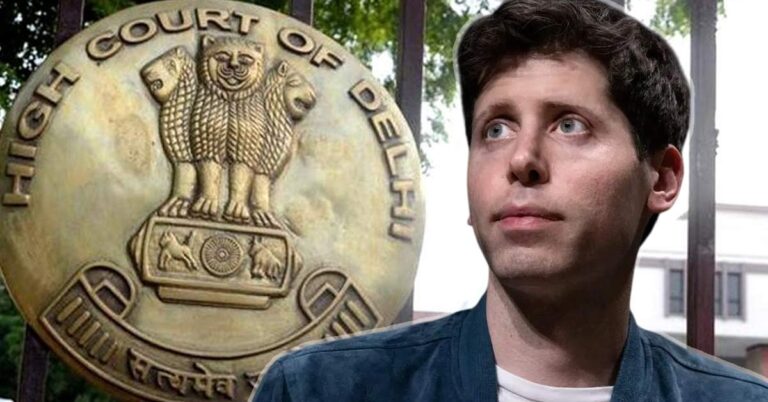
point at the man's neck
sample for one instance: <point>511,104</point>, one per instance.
<point>573,341</point>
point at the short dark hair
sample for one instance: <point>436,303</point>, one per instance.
<point>644,76</point>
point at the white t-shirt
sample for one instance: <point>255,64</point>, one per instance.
<point>517,389</point>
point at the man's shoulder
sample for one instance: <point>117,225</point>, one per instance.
<point>700,374</point>
<point>402,336</point>
<point>401,363</point>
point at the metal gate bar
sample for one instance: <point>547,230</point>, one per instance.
<point>69,21</point>
<point>700,308</point>
<point>34,368</point>
<point>34,359</point>
<point>410,62</point>
<point>303,10</point>
<point>701,213</point>
<point>409,75</point>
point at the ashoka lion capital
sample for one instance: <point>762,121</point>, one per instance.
<point>226,123</point>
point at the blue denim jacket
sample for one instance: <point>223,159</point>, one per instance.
<point>451,359</point>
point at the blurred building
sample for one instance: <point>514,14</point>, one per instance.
<point>741,283</point>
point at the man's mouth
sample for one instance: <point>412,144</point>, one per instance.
<point>526,211</point>
<point>525,217</point>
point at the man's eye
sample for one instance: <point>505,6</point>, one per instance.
<point>497,131</point>
<point>571,126</point>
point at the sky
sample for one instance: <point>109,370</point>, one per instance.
<point>452,272</point>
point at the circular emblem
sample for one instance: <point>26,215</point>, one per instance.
<point>222,255</point>
<point>239,184</point>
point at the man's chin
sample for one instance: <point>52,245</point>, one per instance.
<point>530,269</point>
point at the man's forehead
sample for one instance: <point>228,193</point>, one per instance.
<point>557,79</point>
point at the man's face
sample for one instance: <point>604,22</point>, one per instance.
<point>556,190</point>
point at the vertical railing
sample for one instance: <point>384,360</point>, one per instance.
<point>34,359</point>
<point>410,62</point>
<point>69,21</point>
<point>700,315</point>
<point>410,73</point>
<point>34,368</point>
<point>303,10</point>
<point>701,214</point>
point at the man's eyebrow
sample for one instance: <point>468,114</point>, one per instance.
<point>498,107</point>
<point>589,112</point>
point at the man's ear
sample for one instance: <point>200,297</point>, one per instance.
<point>667,176</point>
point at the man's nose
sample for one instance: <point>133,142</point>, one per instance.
<point>527,163</point>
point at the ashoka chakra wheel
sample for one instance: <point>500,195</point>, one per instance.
<point>222,255</point>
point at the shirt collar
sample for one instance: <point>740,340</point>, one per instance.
<point>631,382</point>
<point>475,364</point>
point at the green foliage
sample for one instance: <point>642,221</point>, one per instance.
<point>33,20</point>
<point>102,8</point>
<point>11,336</point>
<point>370,27</point>
<point>8,75</point>
<point>672,17</point>
<point>61,385</point>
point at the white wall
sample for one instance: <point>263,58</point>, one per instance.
<point>742,240</point>
<point>648,301</point>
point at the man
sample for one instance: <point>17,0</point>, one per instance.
<point>575,115</point>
